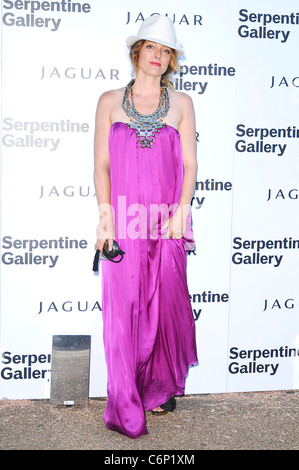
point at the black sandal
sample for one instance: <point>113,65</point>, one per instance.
<point>170,405</point>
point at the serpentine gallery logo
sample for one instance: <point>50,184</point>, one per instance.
<point>257,25</point>
<point>25,366</point>
<point>209,70</point>
<point>263,140</point>
<point>263,252</point>
<point>260,361</point>
<point>35,14</point>
<point>39,134</point>
<point>36,252</point>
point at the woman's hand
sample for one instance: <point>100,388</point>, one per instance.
<point>105,230</point>
<point>176,225</point>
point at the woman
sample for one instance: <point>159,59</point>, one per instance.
<point>145,170</point>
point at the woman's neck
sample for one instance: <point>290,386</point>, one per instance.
<point>146,85</point>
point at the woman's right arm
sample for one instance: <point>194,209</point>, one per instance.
<point>105,228</point>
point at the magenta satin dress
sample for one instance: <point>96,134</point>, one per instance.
<point>148,325</point>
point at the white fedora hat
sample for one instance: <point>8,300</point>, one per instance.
<point>160,29</point>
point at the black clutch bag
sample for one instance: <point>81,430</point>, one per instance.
<point>108,255</point>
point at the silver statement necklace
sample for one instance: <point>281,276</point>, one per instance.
<point>146,125</point>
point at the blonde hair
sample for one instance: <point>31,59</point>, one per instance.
<point>172,67</point>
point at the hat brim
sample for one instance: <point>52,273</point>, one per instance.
<point>132,39</point>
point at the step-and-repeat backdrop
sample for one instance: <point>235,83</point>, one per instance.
<point>241,69</point>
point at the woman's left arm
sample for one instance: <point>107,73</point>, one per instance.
<point>177,224</point>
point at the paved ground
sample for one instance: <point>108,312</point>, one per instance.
<point>236,421</point>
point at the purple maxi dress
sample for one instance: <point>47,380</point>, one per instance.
<point>148,325</point>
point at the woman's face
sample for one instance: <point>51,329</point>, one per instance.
<point>154,58</point>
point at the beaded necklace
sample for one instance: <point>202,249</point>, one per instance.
<point>146,125</point>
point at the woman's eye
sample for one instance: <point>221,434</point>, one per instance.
<point>167,51</point>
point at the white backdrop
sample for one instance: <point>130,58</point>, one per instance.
<point>241,70</point>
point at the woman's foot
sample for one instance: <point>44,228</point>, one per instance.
<point>159,411</point>
<point>170,405</point>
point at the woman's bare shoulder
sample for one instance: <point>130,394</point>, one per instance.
<point>111,96</point>
<point>183,104</point>
<point>109,101</point>
<point>180,98</point>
